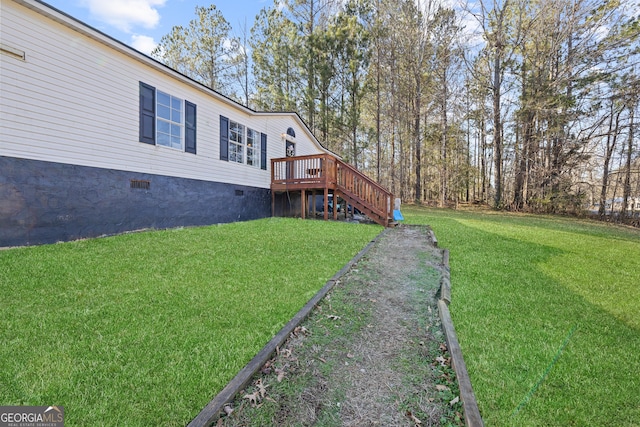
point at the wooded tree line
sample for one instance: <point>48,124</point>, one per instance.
<point>522,104</point>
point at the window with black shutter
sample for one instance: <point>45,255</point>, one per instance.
<point>165,120</point>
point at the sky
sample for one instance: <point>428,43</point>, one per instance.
<point>142,23</point>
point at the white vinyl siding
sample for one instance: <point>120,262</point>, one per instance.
<point>75,100</point>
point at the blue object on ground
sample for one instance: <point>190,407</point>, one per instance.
<point>397,215</point>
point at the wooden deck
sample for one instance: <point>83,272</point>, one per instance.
<point>325,174</point>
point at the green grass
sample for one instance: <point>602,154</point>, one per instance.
<point>522,286</point>
<point>145,328</point>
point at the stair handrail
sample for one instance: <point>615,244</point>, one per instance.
<point>379,207</point>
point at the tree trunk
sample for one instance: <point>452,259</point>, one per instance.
<point>612,137</point>
<point>418,148</point>
<point>627,174</point>
<point>497,127</point>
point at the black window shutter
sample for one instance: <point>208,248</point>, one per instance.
<point>147,114</point>
<point>224,138</point>
<point>263,151</point>
<point>190,127</point>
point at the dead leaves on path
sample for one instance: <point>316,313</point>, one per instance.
<point>258,395</point>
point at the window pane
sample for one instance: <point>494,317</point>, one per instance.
<point>164,112</point>
<point>163,98</point>
<point>176,142</point>
<point>163,126</point>
<point>176,130</point>
<point>251,137</point>
<point>176,103</point>
<point>163,139</point>
<point>233,149</point>
<point>176,116</point>
<point>249,156</point>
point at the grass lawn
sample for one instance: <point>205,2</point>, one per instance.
<point>547,311</point>
<point>145,328</point>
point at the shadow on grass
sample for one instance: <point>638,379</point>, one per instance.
<point>512,318</point>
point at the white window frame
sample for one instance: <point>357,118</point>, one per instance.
<point>169,121</point>
<point>253,148</point>
<point>237,141</point>
<point>244,144</point>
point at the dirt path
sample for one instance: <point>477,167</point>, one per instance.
<point>371,354</point>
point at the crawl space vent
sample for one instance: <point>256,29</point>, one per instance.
<point>140,184</point>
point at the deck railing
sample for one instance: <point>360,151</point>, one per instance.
<point>364,192</point>
<point>304,171</point>
<point>324,171</point>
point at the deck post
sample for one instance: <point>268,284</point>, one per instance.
<point>313,202</point>
<point>326,203</point>
<point>303,203</point>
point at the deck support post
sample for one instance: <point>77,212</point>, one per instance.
<point>326,203</point>
<point>303,203</point>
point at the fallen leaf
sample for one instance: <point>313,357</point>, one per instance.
<point>333,317</point>
<point>280,373</point>
<point>266,368</point>
<point>441,360</point>
<point>220,423</point>
<point>253,398</point>
<point>441,387</point>
<point>443,347</point>
<point>454,400</point>
<point>227,409</point>
<point>262,389</point>
<point>300,330</point>
<point>414,418</point>
<point>350,356</point>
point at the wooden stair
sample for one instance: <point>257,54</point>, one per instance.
<point>333,176</point>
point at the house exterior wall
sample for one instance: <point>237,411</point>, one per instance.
<point>74,99</point>
<point>45,202</point>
